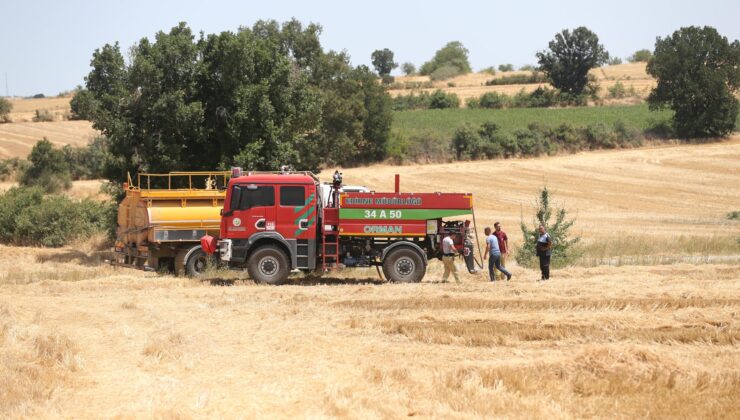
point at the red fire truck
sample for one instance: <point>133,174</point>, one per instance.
<point>273,223</point>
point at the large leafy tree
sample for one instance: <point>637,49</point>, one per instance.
<point>571,56</point>
<point>260,97</point>
<point>698,74</point>
<point>383,61</point>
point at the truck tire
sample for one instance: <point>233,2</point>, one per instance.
<point>268,264</point>
<point>404,265</point>
<point>196,263</point>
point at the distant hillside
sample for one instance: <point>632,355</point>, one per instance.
<point>18,137</point>
<point>470,85</point>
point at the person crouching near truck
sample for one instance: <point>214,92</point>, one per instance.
<point>544,251</point>
<point>448,258</point>
<point>493,251</point>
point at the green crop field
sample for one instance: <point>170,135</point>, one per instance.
<point>442,123</point>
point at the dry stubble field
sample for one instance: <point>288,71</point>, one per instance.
<point>630,75</point>
<point>81,339</point>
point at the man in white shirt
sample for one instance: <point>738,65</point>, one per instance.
<point>448,258</point>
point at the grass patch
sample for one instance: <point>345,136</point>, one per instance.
<point>442,123</point>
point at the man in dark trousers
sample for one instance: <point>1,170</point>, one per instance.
<point>503,243</point>
<point>544,251</point>
<point>493,251</point>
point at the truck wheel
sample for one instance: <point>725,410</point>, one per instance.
<point>404,265</point>
<point>269,265</point>
<point>197,263</point>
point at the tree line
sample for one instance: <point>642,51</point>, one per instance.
<point>697,72</point>
<point>259,98</point>
<point>270,95</point>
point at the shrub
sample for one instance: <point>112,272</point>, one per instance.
<point>43,115</point>
<point>429,149</point>
<point>27,217</point>
<point>48,168</point>
<point>660,129</point>
<point>87,162</point>
<point>734,215</point>
<point>617,91</point>
<point>12,167</point>
<point>519,79</point>
<point>445,72</point>
<point>532,142</point>
<point>39,96</point>
<point>412,101</point>
<point>408,69</point>
<point>441,100</point>
<point>505,67</point>
<point>472,102</point>
<point>5,108</point>
<point>465,143</point>
<point>640,55</point>
<point>613,61</point>
<point>493,100</point>
<point>527,67</point>
<point>490,70</point>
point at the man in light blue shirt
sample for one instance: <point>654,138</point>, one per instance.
<point>494,251</point>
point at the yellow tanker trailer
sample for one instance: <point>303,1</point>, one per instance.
<point>163,217</point>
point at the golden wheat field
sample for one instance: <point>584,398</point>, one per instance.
<point>631,76</point>
<point>82,339</point>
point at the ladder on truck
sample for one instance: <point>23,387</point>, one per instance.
<point>330,239</point>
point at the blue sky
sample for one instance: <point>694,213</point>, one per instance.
<point>45,46</point>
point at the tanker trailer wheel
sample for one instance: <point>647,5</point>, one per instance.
<point>404,265</point>
<point>192,262</point>
<point>268,264</point>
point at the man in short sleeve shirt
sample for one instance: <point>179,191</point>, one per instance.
<point>503,244</point>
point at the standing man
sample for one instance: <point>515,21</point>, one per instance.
<point>493,251</point>
<point>544,251</point>
<point>503,243</point>
<point>448,258</point>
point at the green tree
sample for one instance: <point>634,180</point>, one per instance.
<point>5,108</point>
<point>453,55</point>
<point>614,61</point>
<point>260,97</point>
<point>383,61</point>
<point>571,56</point>
<point>563,251</point>
<point>48,169</point>
<point>698,74</point>
<point>82,105</point>
<point>643,55</point>
<point>505,67</point>
<point>409,69</point>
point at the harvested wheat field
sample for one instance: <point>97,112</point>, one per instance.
<point>651,336</point>
<point>650,204</point>
<point>631,76</point>
<point>84,340</point>
<point>25,109</point>
<point>18,138</point>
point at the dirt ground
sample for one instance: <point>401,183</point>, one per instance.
<point>84,340</point>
